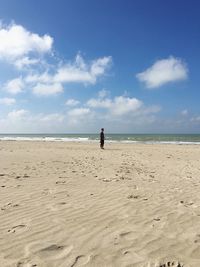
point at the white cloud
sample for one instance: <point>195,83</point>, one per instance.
<point>77,112</point>
<point>73,74</point>
<point>20,121</point>
<point>52,117</point>
<point>123,105</point>
<point>103,93</point>
<point>25,62</point>
<point>80,72</point>
<point>115,114</point>
<point>14,86</point>
<point>98,66</point>
<point>196,119</point>
<point>99,103</point>
<point>17,114</point>
<point>7,101</point>
<point>150,109</point>
<point>16,42</point>
<point>47,89</point>
<point>49,84</point>
<point>122,113</point>
<point>39,78</point>
<point>184,112</point>
<point>77,72</point>
<point>118,106</point>
<point>163,71</point>
<point>72,102</point>
<point>78,116</point>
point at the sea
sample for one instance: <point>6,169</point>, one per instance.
<point>109,138</point>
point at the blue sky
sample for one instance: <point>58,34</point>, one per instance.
<point>77,66</point>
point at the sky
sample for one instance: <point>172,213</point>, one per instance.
<point>73,66</point>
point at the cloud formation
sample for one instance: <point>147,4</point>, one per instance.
<point>76,112</point>
<point>121,113</point>
<point>103,93</point>
<point>78,116</point>
<point>7,101</point>
<point>196,119</point>
<point>162,72</point>
<point>25,62</point>
<point>184,112</point>
<point>44,75</point>
<point>115,114</point>
<point>47,89</point>
<point>16,42</point>
<point>77,71</point>
<point>54,117</point>
<point>81,72</point>
<point>72,102</point>
<point>14,86</point>
<point>46,83</point>
<point>118,106</point>
<point>17,114</point>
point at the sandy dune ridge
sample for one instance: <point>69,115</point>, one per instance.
<point>72,204</point>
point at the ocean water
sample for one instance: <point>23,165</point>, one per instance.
<point>123,138</point>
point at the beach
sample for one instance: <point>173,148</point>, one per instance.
<point>68,204</point>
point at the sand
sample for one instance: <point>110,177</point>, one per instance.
<point>72,204</point>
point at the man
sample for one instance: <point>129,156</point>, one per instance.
<point>102,138</point>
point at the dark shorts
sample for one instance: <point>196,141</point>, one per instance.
<point>102,142</point>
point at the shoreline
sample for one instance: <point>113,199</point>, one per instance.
<point>123,142</point>
<point>180,139</point>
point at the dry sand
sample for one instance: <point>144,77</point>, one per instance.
<point>72,204</point>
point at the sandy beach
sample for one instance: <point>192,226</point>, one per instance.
<point>72,204</point>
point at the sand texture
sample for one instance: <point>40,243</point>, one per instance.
<point>72,204</point>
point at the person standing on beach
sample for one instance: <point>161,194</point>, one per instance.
<point>102,138</point>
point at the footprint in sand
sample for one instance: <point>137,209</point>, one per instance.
<point>171,263</point>
<point>60,182</point>
<point>26,176</point>
<point>187,204</point>
<point>9,205</point>
<point>129,235</point>
<point>167,263</point>
<point>197,239</point>
<point>48,251</point>
<point>125,234</point>
<point>25,263</point>
<point>133,197</point>
<point>156,219</point>
<point>80,260</point>
<point>105,180</point>
<point>16,228</point>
